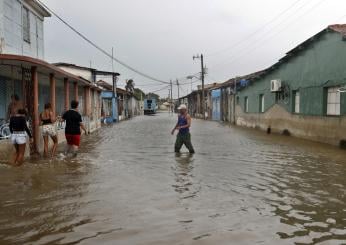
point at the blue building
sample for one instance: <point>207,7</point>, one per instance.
<point>109,105</point>
<point>216,104</point>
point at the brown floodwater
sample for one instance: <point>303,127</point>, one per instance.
<point>128,187</point>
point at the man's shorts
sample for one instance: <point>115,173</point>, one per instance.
<point>73,139</point>
<point>18,138</point>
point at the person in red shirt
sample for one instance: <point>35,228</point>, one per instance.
<point>73,127</point>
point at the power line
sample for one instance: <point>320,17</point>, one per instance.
<point>99,48</point>
<point>249,49</point>
<point>249,44</point>
<point>255,32</point>
<point>165,87</point>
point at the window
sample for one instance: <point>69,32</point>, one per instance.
<point>26,25</point>
<point>261,103</point>
<point>333,101</point>
<point>246,104</point>
<point>296,102</point>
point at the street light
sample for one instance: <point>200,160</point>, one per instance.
<point>192,77</point>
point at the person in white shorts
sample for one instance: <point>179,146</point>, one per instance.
<point>48,120</point>
<point>19,130</point>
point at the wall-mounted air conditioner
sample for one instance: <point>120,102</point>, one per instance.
<point>275,85</point>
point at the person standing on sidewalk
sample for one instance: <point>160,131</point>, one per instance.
<point>73,127</point>
<point>183,125</point>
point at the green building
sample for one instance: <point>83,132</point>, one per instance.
<point>301,93</point>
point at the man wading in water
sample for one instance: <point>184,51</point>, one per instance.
<point>183,125</point>
<point>73,128</point>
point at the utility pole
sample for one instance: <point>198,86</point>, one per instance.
<point>172,106</point>
<point>114,97</point>
<point>178,90</point>
<point>169,96</point>
<point>202,78</point>
<point>234,99</point>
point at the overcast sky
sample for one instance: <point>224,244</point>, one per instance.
<point>159,37</point>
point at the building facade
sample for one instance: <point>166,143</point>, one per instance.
<point>216,104</point>
<point>34,81</point>
<point>300,94</point>
<point>21,28</point>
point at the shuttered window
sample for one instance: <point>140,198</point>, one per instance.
<point>297,102</point>
<point>261,103</point>
<point>26,25</point>
<point>333,102</point>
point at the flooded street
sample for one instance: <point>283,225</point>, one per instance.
<point>128,187</point>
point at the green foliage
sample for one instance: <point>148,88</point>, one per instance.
<point>153,96</point>
<point>137,94</point>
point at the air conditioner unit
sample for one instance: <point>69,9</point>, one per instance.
<point>275,85</point>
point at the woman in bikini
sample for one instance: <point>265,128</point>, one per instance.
<point>48,129</point>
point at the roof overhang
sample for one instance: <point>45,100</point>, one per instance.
<point>42,67</point>
<point>38,8</point>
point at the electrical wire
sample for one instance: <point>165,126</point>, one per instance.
<point>256,31</point>
<point>250,49</point>
<point>166,87</point>
<point>99,48</point>
<point>259,38</point>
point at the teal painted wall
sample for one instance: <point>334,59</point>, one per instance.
<point>321,64</point>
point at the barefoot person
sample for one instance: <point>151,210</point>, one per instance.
<point>73,128</point>
<point>48,129</point>
<point>183,125</point>
<point>19,130</point>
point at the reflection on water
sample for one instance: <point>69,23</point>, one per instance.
<point>127,187</point>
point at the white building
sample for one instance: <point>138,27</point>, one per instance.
<point>21,28</point>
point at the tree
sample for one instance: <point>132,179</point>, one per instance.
<point>130,86</point>
<point>153,96</point>
<point>138,94</point>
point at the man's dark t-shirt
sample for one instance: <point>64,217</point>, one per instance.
<point>73,120</point>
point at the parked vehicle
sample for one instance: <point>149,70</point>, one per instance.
<point>150,106</point>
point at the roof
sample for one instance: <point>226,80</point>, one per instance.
<point>248,77</point>
<point>341,28</point>
<point>42,66</point>
<point>73,66</point>
<point>38,7</point>
<point>97,72</point>
<point>338,28</point>
<point>104,85</point>
<point>109,87</point>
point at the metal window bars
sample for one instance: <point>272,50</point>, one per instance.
<point>5,132</point>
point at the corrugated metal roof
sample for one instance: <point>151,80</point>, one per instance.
<point>341,28</point>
